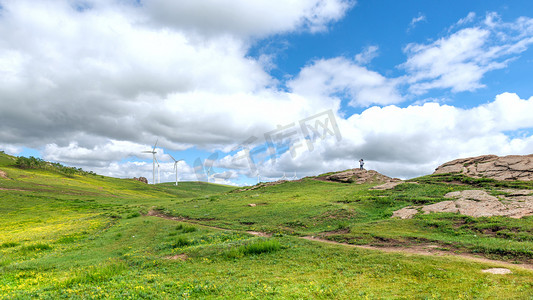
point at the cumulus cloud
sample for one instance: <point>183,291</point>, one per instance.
<point>96,70</point>
<point>341,76</point>
<point>460,60</point>
<point>93,83</point>
<point>247,18</point>
<point>411,141</point>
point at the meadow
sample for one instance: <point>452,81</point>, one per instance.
<point>86,236</point>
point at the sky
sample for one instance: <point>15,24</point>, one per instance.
<point>242,90</point>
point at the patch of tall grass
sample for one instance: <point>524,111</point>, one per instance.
<point>254,248</point>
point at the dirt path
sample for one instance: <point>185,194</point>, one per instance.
<point>427,250</point>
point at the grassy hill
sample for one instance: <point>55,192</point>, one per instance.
<point>90,236</point>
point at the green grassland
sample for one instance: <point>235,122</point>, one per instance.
<point>89,236</point>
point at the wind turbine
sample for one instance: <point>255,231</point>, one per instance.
<point>294,178</point>
<point>153,161</point>
<point>176,167</point>
<point>284,177</point>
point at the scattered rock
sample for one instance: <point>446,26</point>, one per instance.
<point>358,176</point>
<point>405,213</point>
<point>252,204</point>
<point>497,271</point>
<point>141,179</point>
<point>512,167</point>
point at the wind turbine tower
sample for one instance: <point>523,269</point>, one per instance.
<point>175,167</point>
<point>153,161</point>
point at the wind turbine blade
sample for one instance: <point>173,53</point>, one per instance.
<point>155,145</point>
<point>172,157</point>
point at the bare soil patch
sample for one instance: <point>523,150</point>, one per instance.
<point>4,189</point>
<point>3,174</point>
<point>497,271</point>
<point>182,257</point>
<point>257,233</point>
<point>338,231</point>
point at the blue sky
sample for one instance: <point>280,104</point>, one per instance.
<point>409,85</point>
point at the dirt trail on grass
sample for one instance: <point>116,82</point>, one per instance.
<point>4,189</point>
<point>428,250</point>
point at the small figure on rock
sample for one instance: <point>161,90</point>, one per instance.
<point>361,164</point>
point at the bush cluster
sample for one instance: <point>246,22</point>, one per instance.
<point>40,164</point>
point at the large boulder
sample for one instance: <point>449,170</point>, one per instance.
<point>141,179</point>
<point>512,167</point>
<point>477,203</point>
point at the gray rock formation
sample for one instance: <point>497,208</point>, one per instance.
<point>141,179</point>
<point>512,167</point>
<point>477,203</point>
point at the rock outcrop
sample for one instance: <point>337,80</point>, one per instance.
<point>259,185</point>
<point>512,167</point>
<point>478,203</point>
<point>141,179</point>
<point>358,176</point>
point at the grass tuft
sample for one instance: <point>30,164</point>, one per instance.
<point>184,228</point>
<point>254,248</point>
<point>9,245</point>
<point>36,247</point>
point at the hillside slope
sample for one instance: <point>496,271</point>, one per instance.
<point>89,236</point>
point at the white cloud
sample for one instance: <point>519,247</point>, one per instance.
<point>95,84</point>
<point>247,18</point>
<point>460,61</point>
<point>109,72</point>
<point>368,54</point>
<point>468,19</point>
<point>340,76</point>
<point>98,155</point>
<point>413,141</point>
<point>420,18</point>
